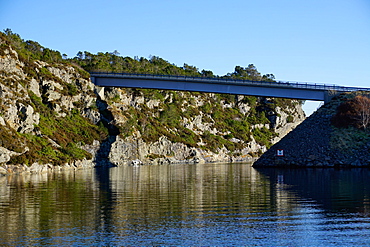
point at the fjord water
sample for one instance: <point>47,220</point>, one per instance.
<point>209,204</point>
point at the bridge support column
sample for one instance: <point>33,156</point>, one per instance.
<point>100,91</point>
<point>328,95</point>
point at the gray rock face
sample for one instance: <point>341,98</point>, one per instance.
<point>11,64</point>
<point>29,118</point>
<point>281,122</point>
<point>63,90</point>
<point>6,154</point>
<point>21,118</point>
<point>124,150</point>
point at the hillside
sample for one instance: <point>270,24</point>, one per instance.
<point>51,114</point>
<point>323,140</point>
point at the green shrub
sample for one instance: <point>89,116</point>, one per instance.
<point>170,115</point>
<point>263,136</point>
<point>46,74</point>
<point>154,156</point>
<point>290,119</point>
<point>73,152</point>
<point>72,89</point>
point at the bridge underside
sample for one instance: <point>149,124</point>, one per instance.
<point>277,91</point>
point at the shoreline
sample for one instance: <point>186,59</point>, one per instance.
<point>36,168</point>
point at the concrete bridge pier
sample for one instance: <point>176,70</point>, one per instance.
<point>100,91</point>
<point>329,94</point>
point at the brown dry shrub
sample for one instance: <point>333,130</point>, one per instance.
<point>353,112</point>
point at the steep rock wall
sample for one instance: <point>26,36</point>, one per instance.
<point>39,105</point>
<point>201,133</point>
<point>51,113</point>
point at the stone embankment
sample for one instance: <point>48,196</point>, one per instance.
<point>317,143</point>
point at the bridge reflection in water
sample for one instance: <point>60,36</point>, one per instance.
<point>278,89</point>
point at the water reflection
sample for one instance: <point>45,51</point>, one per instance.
<point>211,204</point>
<point>35,208</point>
<point>335,190</point>
<point>188,191</point>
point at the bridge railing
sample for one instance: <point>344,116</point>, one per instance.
<point>310,86</point>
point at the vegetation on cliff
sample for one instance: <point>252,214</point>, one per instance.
<point>227,120</point>
<point>51,113</point>
<point>112,62</point>
<point>37,130</point>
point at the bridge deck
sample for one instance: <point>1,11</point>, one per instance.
<point>293,90</point>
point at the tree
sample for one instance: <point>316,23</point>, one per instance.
<point>115,52</point>
<point>253,72</point>
<point>51,55</point>
<point>353,112</point>
<point>35,48</point>
<point>15,39</point>
<point>363,110</point>
<point>190,70</point>
<point>207,73</point>
<point>248,73</point>
<point>80,55</point>
<point>268,77</point>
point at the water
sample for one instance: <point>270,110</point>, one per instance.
<point>198,205</point>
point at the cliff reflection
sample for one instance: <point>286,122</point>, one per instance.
<point>93,206</point>
<point>177,193</point>
<point>42,205</point>
<point>332,189</point>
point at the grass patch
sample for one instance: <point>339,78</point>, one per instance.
<point>350,138</point>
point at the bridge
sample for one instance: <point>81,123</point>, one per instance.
<point>276,89</point>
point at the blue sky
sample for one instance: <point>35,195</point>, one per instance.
<point>325,41</point>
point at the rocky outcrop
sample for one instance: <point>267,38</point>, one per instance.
<point>163,150</point>
<point>53,117</point>
<point>35,98</point>
<point>316,143</point>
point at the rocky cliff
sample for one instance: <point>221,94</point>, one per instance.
<point>170,127</point>
<point>317,143</point>
<point>51,114</point>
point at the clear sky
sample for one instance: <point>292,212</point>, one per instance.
<point>324,41</point>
